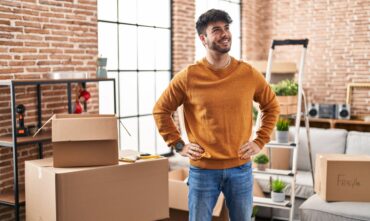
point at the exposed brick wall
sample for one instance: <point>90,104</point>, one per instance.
<point>339,46</point>
<point>183,32</point>
<point>38,37</point>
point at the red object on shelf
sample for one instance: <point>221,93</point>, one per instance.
<point>78,108</point>
<point>84,95</point>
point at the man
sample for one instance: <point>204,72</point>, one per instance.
<point>217,94</point>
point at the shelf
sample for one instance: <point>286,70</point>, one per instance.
<point>267,202</point>
<point>7,198</point>
<point>274,172</point>
<point>49,81</point>
<point>7,141</point>
<point>357,125</point>
<point>274,144</point>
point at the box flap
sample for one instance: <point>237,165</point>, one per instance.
<point>84,127</point>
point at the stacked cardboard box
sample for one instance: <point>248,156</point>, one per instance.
<point>71,191</point>
<point>84,140</point>
<point>343,177</point>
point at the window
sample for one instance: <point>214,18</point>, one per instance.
<point>137,42</point>
<point>233,8</point>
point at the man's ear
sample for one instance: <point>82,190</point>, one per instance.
<point>202,37</point>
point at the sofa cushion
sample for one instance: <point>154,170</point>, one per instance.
<point>316,209</point>
<point>322,141</point>
<point>358,143</point>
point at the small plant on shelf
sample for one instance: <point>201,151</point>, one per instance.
<point>282,124</point>
<point>286,93</point>
<point>285,88</point>
<point>261,160</point>
<point>277,190</point>
<point>254,213</point>
<point>282,130</point>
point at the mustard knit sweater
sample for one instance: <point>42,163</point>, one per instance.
<point>217,110</point>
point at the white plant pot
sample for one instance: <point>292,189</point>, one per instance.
<point>277,197</point>
<point>261,167</point>
<point>282,136</point>
<point>253,219</point>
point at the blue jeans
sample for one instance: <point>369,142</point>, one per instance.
<point>205,186</point>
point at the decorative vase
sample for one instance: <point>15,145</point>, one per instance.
<point>282,136</point>
<point>277,197</point>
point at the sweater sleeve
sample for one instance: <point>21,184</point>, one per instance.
<point>173,96</point>
<point>269,107</point>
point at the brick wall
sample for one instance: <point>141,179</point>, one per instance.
<point>183,32</point>
<point>339,46</point>
<point>38,37</point>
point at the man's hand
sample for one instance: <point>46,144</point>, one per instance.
<point>248,149</point>
<point>193,151</point>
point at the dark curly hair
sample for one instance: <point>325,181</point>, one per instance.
<point>212,15</point>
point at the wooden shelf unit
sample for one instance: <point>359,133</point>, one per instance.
<point>16,197</point>
<point>7,198</point>
<point>357,125</point>
<point>7,141</point>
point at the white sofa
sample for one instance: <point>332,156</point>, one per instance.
<point>322,141</point>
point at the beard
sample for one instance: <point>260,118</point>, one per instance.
<point>216,47</point>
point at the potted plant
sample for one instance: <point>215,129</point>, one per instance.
<point>254,213</point>
<point>277,190</point>
<point>282,130</point>
<point>286,93</point>
<point>261,160</point>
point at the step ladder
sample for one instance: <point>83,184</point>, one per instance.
<point>294,146</point>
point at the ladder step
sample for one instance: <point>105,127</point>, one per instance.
<point>274,172</point>
<point>267,202</point>
<point>274,144</point>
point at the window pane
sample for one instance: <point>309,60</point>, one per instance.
<point>107,38</point>
<point>161,145</point>
<point>200,51</point>
<point>146,92</point>
<point>147,12</point>
<point>235,49</point>
<point>163,49</point>
<point>163,13</point>
<point>127,141</point>
<point>234,11</point>
<point>162,80</point>
<point>147,134</point>
<point>107,10</point>
<point>127,11</point>
<point>106,102</point>
<point>127,47</point>
<point>128,93</point>
<point>146,48</point>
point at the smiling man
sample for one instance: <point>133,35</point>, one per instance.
<point>217,93</point>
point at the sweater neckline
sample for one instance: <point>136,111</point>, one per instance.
<point>221,71</point>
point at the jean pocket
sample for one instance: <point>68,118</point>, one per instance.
<point>246,166</point>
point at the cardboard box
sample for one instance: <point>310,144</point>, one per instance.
<point>343,177</point>
<point>84,140</point>
<point>124,192</point>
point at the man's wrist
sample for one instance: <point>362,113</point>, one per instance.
<point>178,146</point>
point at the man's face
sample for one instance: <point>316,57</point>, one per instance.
<point>217,37</point>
